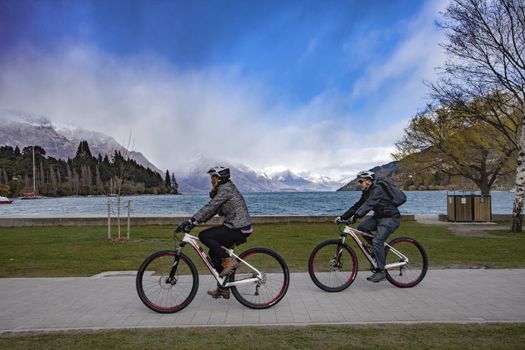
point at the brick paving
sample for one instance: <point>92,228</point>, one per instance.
<point>111,302</point>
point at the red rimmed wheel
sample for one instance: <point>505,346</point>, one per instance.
<point>271,288</point>
<point>414,271</point>
<point>162,291</point>
<point>332,266</point>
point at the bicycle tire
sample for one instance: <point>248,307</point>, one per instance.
<point>410,275</point>
<point>276,279</point>
<point>152,286</point>
<point>326,269</point>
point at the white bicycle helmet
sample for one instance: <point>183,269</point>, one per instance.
<point>367,174</point>
<point>220,171</point>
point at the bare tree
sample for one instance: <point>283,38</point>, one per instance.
<point>485,44</point>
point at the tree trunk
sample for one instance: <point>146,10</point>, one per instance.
<point>520,180</point>
<point>484,185</point>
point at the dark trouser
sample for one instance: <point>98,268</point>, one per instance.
<point>215,237</point>
<point>384,228</point>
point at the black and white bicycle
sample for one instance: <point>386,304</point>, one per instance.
<point>167,281</point>
<point>333,264</point>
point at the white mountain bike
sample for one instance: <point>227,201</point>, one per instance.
<point>333,264</point>
<point>167,281</point>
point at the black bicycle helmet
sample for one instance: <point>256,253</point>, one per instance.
<point>367,174</point>
<point>220,171</point>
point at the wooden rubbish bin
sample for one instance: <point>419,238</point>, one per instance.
<point>482,207</point>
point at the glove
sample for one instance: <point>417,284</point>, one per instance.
<point>338,220</point>
<point>187,225</point>
<point>353,219</point>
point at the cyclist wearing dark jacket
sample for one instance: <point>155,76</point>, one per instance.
<point>226,201</point>
<point>385,219</point>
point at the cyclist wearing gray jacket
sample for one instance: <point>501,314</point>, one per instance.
<point>226,201</point>
<point>385,219</point>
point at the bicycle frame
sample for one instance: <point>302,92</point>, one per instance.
<point>354,233</point>
<point>193,241</point>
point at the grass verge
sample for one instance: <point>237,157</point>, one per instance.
<point>85,251</point>
<point>433,336</point>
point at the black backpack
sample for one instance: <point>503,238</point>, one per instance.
<point>397,196</point>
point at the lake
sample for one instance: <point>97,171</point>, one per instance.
<point>274,203</point>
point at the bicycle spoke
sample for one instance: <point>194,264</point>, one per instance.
<point>332,267</point>
<point>162,295</point>
<point>414,270</point>
<point>271,288</point>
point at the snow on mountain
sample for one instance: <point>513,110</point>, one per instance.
<point>23,129</point>
<point>61,141</point>
<point>247,180</point>
<point>275,179</point>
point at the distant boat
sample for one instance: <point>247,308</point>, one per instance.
<point>5,200</point>
<point>30,195</point>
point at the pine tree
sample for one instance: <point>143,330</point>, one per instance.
<point>174,184</point>
<point>167,181</point>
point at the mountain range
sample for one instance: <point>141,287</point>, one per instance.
<point>249,180</point>
<point>61,142</point>
<point>24,129</point>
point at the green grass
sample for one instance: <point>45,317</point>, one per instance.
<point>84,251</point>
<point>483,336</point>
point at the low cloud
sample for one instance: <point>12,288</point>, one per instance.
<point>175,116</point>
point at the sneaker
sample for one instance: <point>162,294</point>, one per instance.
<point>220,292</point>
<point>228,265</point>
<point>377,277</point>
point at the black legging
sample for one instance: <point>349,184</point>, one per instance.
<point>215,237</point>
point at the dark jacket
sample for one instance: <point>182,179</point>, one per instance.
<point>229,203</point>
<point>376,199</point>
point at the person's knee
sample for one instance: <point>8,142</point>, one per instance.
<point>363,228</point>
<point>204,235</point>
<point>378,243</point>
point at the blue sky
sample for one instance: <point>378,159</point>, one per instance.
<point>313,86</point>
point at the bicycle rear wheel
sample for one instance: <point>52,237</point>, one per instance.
<point>332,266</point>
<point>160,293</point>
<point>271,289</point>
<point>411,274</point>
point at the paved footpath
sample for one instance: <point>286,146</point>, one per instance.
<point>462,296</point>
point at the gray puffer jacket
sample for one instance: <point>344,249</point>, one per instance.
<point>229,203</point>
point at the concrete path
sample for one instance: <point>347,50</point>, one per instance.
<point>462,296</point>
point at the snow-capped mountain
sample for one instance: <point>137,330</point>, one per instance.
<point>246,179</point>
<point>23,129</point>
<point>250,180</point>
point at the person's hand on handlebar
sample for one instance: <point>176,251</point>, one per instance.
<point>186,226</point>
<point>339,220</point>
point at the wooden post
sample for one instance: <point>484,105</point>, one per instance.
<point>109,219</point>
<point>118,215</point>
<point>129,216</point>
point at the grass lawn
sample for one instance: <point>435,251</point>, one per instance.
<point>434,336</point>
<point>85,251</point>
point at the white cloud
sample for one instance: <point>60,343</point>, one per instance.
<point>175,115</point>
<point>399,78</point>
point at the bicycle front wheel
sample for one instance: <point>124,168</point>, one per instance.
<point>332,266</point>
<point>162,293</point>
<point>271,288</point>
<point>414,271</point>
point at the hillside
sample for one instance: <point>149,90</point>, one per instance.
<point>429,181</point>
<point>386,171</point>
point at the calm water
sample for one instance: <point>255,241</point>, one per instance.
<point>301,203</point>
